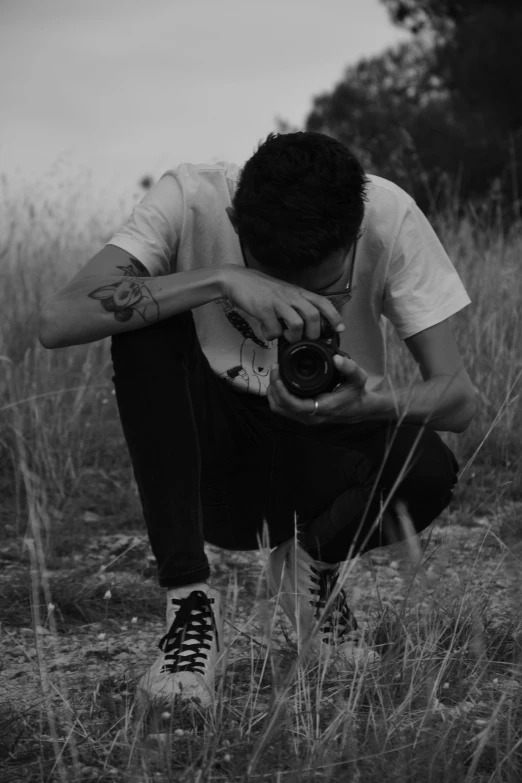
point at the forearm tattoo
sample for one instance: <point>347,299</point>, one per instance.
<point>129,295</point>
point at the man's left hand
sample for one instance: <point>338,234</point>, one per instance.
<point>349,403</point>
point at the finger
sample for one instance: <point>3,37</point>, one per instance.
<point>276,396</point>
<point>291,322</point>
<point>275,382</point>
<point>350,370</point>
<point>278,406</point>
<point>272,399</point>
<point>289,400</point>
<point>326,307</point>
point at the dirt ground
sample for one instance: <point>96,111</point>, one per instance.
<point>479,560</point>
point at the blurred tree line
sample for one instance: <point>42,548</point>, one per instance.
<point>441,115</point>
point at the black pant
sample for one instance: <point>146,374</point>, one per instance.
<point>212,464</point>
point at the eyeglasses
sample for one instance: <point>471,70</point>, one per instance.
<point>346,292</point>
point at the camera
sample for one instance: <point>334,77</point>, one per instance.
<point>307,367</point>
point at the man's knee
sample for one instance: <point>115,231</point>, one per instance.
<point>433,474</point>
<point>423,451</point>
<point>436,460</point>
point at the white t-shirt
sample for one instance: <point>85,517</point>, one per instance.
<point>402,273</point>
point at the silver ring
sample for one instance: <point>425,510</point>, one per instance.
<point>315,409</point>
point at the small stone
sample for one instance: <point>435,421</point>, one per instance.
<point>90,516</point>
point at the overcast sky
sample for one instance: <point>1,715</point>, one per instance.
<point>128,87</point>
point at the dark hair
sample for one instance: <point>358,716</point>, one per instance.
<point>299,198</point>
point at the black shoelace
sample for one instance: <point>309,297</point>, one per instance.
<point>190,635</point>
<point>340,621</point>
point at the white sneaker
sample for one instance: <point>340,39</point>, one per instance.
<point>190,650</point>
<point>304,586</point>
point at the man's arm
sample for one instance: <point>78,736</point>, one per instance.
<point>445,400</point>
<point>115,293</point>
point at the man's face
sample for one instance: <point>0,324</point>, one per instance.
<point>331,274</point>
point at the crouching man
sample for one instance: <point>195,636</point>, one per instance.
<point>216,269</point>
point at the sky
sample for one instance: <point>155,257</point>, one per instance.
<point>124,88</point>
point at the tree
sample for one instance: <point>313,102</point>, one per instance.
<point>478,58</point>
<point>441,17</point>
<point>482,66</point>
<point>442,115</point>
<point>395,114</point>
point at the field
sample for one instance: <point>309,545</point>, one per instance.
<point>81,613</point>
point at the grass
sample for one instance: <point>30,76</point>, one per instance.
<point>445,702</point>
<point>443,705</point>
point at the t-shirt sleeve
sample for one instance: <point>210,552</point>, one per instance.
<point>152,231</point>
<point>422,286</point>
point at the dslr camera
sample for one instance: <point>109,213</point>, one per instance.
<point>307,367</point>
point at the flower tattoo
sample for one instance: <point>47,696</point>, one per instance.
<point>129,295</point>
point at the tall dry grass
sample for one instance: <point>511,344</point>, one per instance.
<point>63,397</point>
<point>489,334</point>
<point>63,452</point>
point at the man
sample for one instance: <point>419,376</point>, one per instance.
<point>213,266</point>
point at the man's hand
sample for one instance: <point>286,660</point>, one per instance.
<point>444,401</point>
<point>349,403</point>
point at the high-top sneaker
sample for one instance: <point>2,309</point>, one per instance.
<point>304,586</point>
<point>190,650</point>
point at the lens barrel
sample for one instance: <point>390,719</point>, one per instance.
<point>307,367</point>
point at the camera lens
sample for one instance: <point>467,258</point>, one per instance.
<point>306,366</point>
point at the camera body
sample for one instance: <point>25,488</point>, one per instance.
<point>307,367</point>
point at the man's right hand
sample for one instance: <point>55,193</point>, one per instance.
<point>268,299</point>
